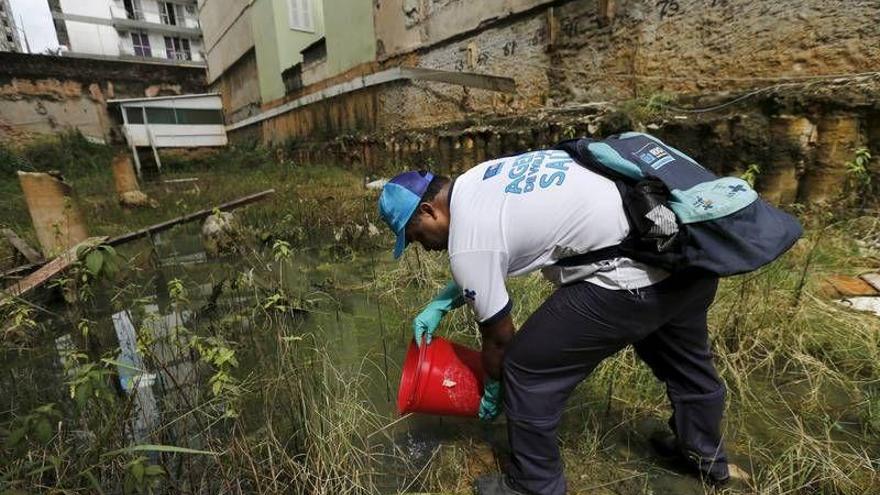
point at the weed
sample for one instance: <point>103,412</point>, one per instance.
<point>858,179</point>
<point>751,174</point>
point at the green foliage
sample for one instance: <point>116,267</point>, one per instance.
<point>281,250</point>
<point>646,109</point>
<point>89,381</point>
<point>69,153</point>
<point>217,352</point>
<point>141,477</point>
<point>101,261</point>
<point>177,291</point>
<point>36,426</point>
<point>20,319</point>
<point>751,174</point>
<point>858,174</point>
<point>12,161</point>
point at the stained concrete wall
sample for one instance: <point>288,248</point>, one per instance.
<point>405,25</point>
<point>797,60</point>
<point>42,94</point>
<point>239,87</point>
<point>565,52</point>
<point>227,33</point>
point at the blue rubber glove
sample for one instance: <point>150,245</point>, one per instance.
<point>426,322</point>
<point>490,403</point>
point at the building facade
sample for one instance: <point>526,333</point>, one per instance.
<point>142,30</point>
<point>9,38</point>
<point>259,52</point>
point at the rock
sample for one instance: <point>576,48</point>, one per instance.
<point>220,234</point>
<point>136,199</point>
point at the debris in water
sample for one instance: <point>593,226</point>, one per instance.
<point>220,234</point>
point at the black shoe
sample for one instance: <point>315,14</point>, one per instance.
<point>667,446</point>
<point>494,484</point>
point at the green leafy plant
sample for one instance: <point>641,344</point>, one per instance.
<point>36,426</point>
<point>88,380</point>
<point>217,352</point>
<point>751,174</point>
<point>858,179</point>
<point>141,477</point>
<point>177,291</point>
<point>857,168</point>
<point>281,250</point>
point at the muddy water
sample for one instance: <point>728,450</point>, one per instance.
<point>330,303</point>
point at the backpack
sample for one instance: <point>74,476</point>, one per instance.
<point>681,215</point>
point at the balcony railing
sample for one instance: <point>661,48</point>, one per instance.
<point>128,24</point>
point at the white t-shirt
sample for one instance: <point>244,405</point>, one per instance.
<point>518,214</point>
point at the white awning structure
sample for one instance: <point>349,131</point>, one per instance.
<point>186,121</point>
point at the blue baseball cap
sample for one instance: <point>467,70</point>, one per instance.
<point>399,199</point>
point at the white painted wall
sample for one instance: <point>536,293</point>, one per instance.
<point>93,38</point>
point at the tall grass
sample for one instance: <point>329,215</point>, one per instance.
<point>274,411</point>
<point>802,371</point>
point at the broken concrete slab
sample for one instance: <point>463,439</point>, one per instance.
<point>55,214</point>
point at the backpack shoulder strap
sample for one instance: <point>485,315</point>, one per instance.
<point>591,257</point>
<point>579,150</point>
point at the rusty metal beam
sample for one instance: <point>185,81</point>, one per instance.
<point>159,227</point>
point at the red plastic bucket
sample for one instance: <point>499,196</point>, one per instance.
<point>441,378</point>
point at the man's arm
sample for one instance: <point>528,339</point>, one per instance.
<point>496,336</point>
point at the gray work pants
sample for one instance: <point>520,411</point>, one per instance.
<point>581,324</point>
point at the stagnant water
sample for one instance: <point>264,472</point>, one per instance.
<point>331,300</point>
<point>328,301</point>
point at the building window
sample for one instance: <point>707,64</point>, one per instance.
<point>133,9</point>
<point>174,116</point>
<point>177,48</point>
<point>300,15</point>
<point>141,44</point>
<point>171,13</point>
<point>134,115</point>
<point>314,53</point>
<point>161,116</point>
<point>186,116</point>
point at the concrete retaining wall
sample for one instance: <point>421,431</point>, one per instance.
<point>41,94</point>
<point>800,125</point>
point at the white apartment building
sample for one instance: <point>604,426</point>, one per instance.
<point>9,39</point>
<point>147,30</point>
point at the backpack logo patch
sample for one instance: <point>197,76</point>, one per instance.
<point>654,155</point>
